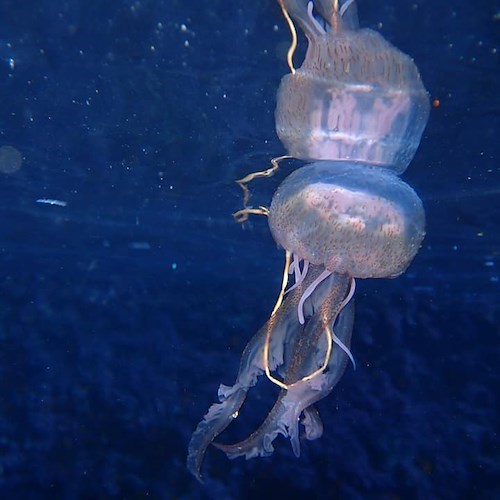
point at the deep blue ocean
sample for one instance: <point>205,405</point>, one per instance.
<point>128,291</point>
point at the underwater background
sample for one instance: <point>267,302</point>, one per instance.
<point>128,292</point>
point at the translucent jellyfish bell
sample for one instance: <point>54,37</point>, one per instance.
<point>355,97</point>
<point>363,222</point>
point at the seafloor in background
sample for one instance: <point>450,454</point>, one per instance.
<point>127,292</point>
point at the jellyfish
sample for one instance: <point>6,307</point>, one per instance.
<point>356,97</point>
<point>337,222</point>
<point>355,110</point>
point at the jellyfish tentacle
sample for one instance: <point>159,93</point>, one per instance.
<point>284,417</point>
<point>288,257</point>
<point>304,270</point>
<point>320,30</point>
<point>309,290</point>
<point>293,32</point>
<point>297,260</point>
<point>265,350</point>
<point>242,215</point>
<point>301,11</point>
<point>295,270</point>
<point>344,7</point>
<point>344,348</point>
<point>344,303</point>
<point>254,175</point>
<point>299,279</point>
<point>350,294</point>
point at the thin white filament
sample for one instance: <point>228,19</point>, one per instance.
<point>299,275</point>
<point>345,7</point>
<point>295,267</point>
<point>344,348</point>
<point>309,290</point>
<point>349,295</point>
<point>304,271</point>
<point>346,301</point>
<point>314,21</point>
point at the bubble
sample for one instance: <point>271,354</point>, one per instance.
<point>10,159</point>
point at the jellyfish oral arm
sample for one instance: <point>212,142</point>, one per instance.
<point>307,348</point>
<point>284,418</point>
<point>284,327</point>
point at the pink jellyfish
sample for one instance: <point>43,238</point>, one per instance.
<point>337,221</point>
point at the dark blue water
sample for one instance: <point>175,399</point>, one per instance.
<point>128,298</point>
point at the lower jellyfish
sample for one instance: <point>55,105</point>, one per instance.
<point>337,221</point>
